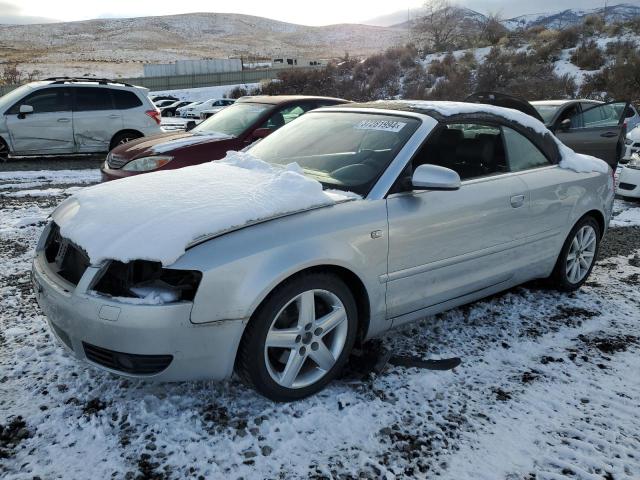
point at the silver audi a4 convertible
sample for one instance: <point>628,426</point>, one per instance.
<point>441,204</point>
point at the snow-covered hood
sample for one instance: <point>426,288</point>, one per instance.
<point>158,215</point>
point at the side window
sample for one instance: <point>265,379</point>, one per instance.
<point>92,99</point>
<point>600,116</point>
<point>522,154</point>
<point>124,100</point>
<point>45,101</point>
<point>472,150</point>
<point>285,115</point>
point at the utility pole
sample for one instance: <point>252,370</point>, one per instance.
<point>604,11</point>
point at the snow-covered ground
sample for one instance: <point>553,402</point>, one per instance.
<point>549,387</point>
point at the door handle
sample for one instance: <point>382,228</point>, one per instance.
<point>609,134</point>
<point>64,120</point>
<point>517,201</point>
<point>114,116</point>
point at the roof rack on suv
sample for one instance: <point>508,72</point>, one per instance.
<point>101,81</point>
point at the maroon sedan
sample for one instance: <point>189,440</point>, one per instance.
<point>233,128</point>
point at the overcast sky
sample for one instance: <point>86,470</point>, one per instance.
<point>318,12</point>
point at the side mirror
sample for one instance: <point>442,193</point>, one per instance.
<point>24,110</point>
<point>565,125</point>
<point>434,177</point>
<point>191,124</point>
<point>261,132</point>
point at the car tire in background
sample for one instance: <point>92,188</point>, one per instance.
<point>299,338</point>
<point>578,256</point>
<point>123,137</point>
<point>4,151</point>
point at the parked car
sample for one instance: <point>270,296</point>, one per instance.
<point>74,115</point>
<point>440,204</point>
<point>179,110</point>
<point>170,110</point>
<point>631,117</point>
<point>157,98</point>
<point>587,126</point>
<point>163,103</point>
<point>629,179</point>
<point>632,144</point>
<point>213,103</point>
<point>234,128</point>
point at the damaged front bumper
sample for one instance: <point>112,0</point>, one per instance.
<point>158,342</point>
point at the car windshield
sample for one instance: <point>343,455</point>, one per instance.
<point>547,112</point>
<point>342,150</point>
<point>233,120</point>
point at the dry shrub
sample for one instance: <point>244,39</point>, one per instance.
<point>588,56</point>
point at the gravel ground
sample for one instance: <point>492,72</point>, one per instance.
<point>549,388</point>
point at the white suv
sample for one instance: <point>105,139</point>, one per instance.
<point>74,115</point>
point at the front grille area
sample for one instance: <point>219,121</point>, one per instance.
<point>626,186</point>
<point>116,161</point>
<point>70,261</point>
<point>127,362</point>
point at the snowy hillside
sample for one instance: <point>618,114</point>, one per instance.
<point>561,19</point>
<point>123,44</point>
<point>555,19</point>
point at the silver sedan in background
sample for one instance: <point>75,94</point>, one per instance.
<point>452,205</point>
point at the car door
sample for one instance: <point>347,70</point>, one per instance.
<point>552,197</point>
<point>445,245</point>
<point>95,119</point>
<point>48,129</point>
<point>598,130</point>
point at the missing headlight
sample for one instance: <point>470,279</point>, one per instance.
<point>142,278</point>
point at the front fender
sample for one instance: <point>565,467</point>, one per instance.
<point>241,268</point>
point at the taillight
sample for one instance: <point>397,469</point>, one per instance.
<point>155,114</point>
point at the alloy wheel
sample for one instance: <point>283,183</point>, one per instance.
<point>581,254</point>
<point>306,339</point>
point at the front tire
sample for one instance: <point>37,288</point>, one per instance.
<point>300,337</point>
<point>578,256</point>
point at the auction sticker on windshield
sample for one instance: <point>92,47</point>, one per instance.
<point>384,125</point>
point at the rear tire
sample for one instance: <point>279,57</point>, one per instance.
<point>169,114</point>
<point>578,256</point>
<point>124,137</point>
<point>299,338</point>
<point>4,151</point>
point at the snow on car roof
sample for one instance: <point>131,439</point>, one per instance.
<point>156,216</point>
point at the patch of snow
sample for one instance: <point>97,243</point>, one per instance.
<point>50,176</point>
<point>628,216</point>
<point>157,215</point>
<point>36,192</point>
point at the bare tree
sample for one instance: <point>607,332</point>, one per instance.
<point>439,24</point>
<point>491,28</point>
<point>10,74</point>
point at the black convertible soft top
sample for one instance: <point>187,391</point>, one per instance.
<point>546,142</point>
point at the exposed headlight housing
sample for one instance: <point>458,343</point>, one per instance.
<point>634,162</point>
<point>628,141</point>
<point>144,279</point>
<point>146,164</point>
